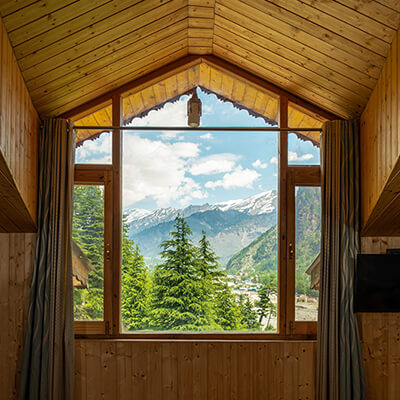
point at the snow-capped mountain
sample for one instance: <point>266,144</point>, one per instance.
<point>261,203</point>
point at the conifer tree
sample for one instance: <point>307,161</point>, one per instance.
<point>248,313</point>
<point>178,298</point>
<point>227,311</point>
<point>88,233</point>
<point>265,306</point>
<point>134,285</point>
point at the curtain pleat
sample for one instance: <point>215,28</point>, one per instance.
<point>340,372</point>
<point>48,360</point>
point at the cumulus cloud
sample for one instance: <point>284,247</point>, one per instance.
<point>96,151</point>
<point>172,114</point>
<point>293,157</point>
<point>156,169</point>
<point>214,164</point>
<point>238,178</point>
<point>259,164</point>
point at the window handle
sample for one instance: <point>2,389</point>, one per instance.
<point>291,251</point>
<point>108,252</point>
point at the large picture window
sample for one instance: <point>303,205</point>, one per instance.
<point>196,232</point>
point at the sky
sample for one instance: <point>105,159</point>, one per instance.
<point>176,169</point>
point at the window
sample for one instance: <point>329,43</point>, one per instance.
<point>144,216</point>
<point>91,248</point>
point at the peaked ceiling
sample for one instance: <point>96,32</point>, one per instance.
<point>327,52</point>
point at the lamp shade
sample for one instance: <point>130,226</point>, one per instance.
<point>194,110</point>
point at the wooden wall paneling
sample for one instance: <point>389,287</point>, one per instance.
<point>172,370</point>
<point>16,262</point>
<point>380,151</point>
<point>19,126</point>
<point>380,337</point>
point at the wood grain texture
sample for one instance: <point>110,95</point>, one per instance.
<point>380,337</point>
<point>19,125</point>
<point>170,84</point>
<point>199,370</point>
<point>380,151</point>
<point>16,261</point>
<point>329,53</point>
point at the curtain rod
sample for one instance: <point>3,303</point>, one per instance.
<point>199,129</point>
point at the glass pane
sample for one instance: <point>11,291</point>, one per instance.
<point>88,252</point>
<point>302,152</point>
<point>94,146</point>
<point>95,151</point>
<point>200,234</point>
<point>308,243</point>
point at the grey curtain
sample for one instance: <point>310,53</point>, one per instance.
<point>340,373</point>
<point>48,359</point>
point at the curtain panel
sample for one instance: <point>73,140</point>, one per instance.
<point>48,358</point>
<point>340,373</point>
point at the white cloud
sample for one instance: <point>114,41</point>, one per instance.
<point>207,136</point>
<point>155,169</point>
<point>259,164</point>
<point>238,178</point>
<point>172,114</point>
<point>293,157</point>
<point>214,164</point>
<point>95,151</point>
<point>274,160</point>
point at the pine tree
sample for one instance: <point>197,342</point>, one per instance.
<point>88,233</point>
<point>227,311</point>
<point>266,308</point>
<point>178,294</point>
<point>134,285</point>
<point>249,314</point>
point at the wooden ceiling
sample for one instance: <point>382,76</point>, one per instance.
<point>327,52</point>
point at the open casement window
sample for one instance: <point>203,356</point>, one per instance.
<point>91,250</point>
<point>304,241</point>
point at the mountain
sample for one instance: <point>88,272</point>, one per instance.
<point>261,254</point>
<point>262,203</point>
<point>229,226</point>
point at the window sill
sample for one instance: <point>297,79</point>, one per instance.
<point>199,337</point>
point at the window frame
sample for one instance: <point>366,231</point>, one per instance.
<point>298,176</point>
<point>287,328</point>
<point>101,175</point>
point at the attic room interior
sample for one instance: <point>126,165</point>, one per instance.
<point>313,93</point>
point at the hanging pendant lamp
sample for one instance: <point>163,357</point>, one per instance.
<point>194,110</point>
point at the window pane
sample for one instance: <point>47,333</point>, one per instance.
<point>95,151</point>
<point>302,152</point>
<point>308,243</point>
<point>94,146</point>
<point>88,252</point>
<point>200,234</point>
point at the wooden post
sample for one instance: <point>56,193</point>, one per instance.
<point>283,324</point>
<point>117,213</point>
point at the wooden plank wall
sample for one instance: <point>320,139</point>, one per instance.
<point>16,260</point>
<point>380,144</point>
<point>380,337</point>
<point>19,125</point>
<point>167,370</point>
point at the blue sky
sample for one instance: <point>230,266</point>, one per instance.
<point>175,169</point>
